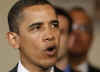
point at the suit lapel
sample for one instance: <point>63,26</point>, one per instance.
<point>92,69</point>
<point>56,69</point>
<point>14,69</point>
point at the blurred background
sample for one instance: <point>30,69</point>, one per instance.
<point>9,56</point>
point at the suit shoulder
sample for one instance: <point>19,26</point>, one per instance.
<point>14,69</point>
<point>93,68</point>
<point>57,70</point>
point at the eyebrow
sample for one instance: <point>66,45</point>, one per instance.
<point>53,21</point>
<point>34,24</point>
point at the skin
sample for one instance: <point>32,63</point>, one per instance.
<point>62,52</point>
<point>38,30</point>
<point>79,41</point>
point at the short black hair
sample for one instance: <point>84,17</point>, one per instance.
<point>63,12</point>
<point>15,11</point>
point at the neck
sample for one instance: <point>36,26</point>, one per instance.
<point>32,67</point>
<point>62,64</point>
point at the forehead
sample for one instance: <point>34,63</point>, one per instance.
<point>80,17</point>
<point>37,8</point>
<point>38,12</point>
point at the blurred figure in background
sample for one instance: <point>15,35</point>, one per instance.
<point>80,41</point>
<point>65,26</point>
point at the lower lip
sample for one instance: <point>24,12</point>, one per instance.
<point>51,53</point>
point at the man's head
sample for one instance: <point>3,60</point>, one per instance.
<point>65,27</point>
<point>82,33</point>
<point>34,31</point>
<point>15,13</point>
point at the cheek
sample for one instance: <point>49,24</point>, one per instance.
<point>86,41</point>
<point>85,38</point>
<point>57,36</point>
<point>30,42</point>
<point>30,46</point>
<point>63,39</point>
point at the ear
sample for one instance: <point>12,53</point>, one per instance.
<point>13,39</point>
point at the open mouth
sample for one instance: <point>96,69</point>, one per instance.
<point>51,51</point>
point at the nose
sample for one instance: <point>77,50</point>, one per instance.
<point>48,36</point>
<point>77,37</point>
<point>74,37</point>
<point>72,40</point>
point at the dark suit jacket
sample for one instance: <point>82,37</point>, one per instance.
<point>92,68</point>
<point>57,70</point>
<point>15,69</point>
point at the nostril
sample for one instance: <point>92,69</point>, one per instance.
<point>49,38</point>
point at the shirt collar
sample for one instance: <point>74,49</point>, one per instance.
<point>52,69</point>
<point>83,67</point>
<point>21,68</point>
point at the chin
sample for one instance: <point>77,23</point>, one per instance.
<point>74,53</point>
<point>49,62</point>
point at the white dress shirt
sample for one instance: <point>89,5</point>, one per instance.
<point>83,67</point>
<point>52,69</point>
<point>21,68</point>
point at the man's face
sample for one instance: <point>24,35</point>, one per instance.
<point>63,25</point>
<point>80,38</point>
<point>38,36</point>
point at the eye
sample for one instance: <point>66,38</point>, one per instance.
<point>55,24</point>
<point>35,26</point>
